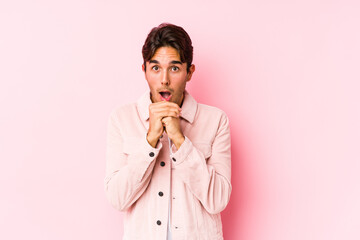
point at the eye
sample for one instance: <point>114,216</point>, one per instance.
<point>155,68</point>
<point>174,68</point>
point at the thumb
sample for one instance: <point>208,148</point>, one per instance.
<point>165,120</point>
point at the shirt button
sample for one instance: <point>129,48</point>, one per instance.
<point>151,154</point>
<point>158,222</point>
<point>162,164</point>
<point>174,159</point>
<point>161,194</point>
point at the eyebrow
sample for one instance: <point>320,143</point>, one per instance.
<point>172,62</point>
<point>154,61</point>
<point>176,62</point>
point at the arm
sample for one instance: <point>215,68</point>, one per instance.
<point>129,165</point>
<point>209,180</point>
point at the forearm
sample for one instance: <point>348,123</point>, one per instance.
<point>207,179</point>
<point>152,139</point>
<point>178,141</point>
<point>124,186</point>
<point>129,165</point>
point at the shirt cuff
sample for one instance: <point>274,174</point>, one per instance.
<point>181,154</point>
<point>149,150</point>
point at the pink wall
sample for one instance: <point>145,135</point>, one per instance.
<point>285,72</point>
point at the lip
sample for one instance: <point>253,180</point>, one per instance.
<point>167,98</point>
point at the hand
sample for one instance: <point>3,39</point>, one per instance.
<point>158,111</point>
<point>173,130</point>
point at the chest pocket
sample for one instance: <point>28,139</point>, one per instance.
<point>204,148</point>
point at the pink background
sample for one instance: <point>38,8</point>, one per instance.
<point>285,72</point>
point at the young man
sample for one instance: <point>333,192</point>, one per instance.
<point>168,159</point>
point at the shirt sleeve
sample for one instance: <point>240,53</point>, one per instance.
<point>129,165</point>
<point>209,179</point>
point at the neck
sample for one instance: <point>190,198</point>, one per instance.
<point>182,99</point>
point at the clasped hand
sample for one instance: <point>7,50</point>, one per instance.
<point>165,116</point>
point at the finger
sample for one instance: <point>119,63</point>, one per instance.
<point>164,103</point>
<point>168,114</point>
<point>164,109</point>
<point>162,112</point>
<point>167,119</point>
<point>157,110</point>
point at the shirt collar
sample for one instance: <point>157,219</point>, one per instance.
<point>188,112</point>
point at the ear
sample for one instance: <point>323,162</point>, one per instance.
<point>190,73</point>
<point>143,67</point>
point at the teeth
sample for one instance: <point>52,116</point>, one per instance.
<point>165,94</point>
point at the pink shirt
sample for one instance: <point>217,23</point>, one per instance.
<point>141,180</point>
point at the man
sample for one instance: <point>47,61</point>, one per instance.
<point>168,162</point>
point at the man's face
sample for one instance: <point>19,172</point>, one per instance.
<point>167,75</point>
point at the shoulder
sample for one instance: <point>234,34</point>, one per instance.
<point>209,122</point>
<point>211,117</point>
<point>211,111</point>
<point>120,111</point>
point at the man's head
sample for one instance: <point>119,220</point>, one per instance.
<point>168,55</point>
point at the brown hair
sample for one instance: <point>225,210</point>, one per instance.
<point>168,35</point>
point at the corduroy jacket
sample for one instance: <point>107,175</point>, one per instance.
<point>194,181</point>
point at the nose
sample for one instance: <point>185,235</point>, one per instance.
<point>165,78</point>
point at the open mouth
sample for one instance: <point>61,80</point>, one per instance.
<point>165,95</point>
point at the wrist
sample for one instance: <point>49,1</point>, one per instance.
<point>178,141</point>
<point>152,139</point>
